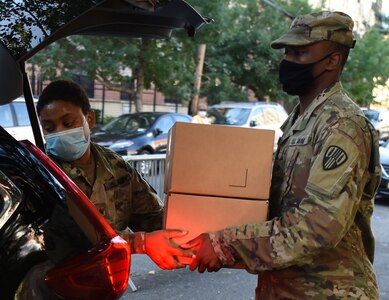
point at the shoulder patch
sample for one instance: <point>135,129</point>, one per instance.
<point>333,158</point>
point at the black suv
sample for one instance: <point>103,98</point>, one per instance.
<point>35,195</point>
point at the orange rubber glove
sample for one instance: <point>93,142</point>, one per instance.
<point>162,249</point>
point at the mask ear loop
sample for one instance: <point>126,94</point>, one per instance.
<point>320,60</point>
<point>83,126</point>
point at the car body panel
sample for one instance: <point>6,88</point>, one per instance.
<point>48,21</point>
<point>383,189</point>
<point>29,209</point>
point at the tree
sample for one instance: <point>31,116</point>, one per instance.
<point>367,66</point>
<point>243,60</point>
<point>238,58</point>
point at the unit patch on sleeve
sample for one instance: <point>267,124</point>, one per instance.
<point>333,158</point>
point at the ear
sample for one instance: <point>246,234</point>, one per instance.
<point>91,118</point>
<point>334,61</point>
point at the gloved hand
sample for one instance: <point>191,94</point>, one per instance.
<point>205,256</point>
<point>164,251</point>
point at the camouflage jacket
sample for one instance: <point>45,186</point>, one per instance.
<point>318,243</point>
<point>119,192</point>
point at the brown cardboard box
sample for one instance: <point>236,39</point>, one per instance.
<point>219,160</point>
<point>199,214</point>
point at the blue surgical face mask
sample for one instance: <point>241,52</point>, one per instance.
<point>68,145</point>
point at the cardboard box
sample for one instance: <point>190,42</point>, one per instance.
<point>199,214</point>
<point>219,160</point>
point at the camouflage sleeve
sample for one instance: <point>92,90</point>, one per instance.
<point>147,207</point>
<point>320,220</point>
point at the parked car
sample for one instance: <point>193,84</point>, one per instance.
<point>380,120</point>
<point>383,189</point>
<point>138,133</point>
<point>36,197</point>
<point>262,115</point>
<point>14,118</point>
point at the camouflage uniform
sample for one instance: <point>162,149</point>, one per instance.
<point>121,195</point>
<point>319,243</point>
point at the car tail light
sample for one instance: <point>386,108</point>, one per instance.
<point>103,271</point>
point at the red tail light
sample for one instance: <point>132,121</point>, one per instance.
<point>101,273</point>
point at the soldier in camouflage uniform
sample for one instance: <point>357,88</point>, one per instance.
<point>118,191</point>
<point>318,242</point>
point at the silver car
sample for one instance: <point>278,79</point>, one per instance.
<point>380,120</point>
<point>260,114</point>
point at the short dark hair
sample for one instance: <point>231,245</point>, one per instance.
<point>64,90</point>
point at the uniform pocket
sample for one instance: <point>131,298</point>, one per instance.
<point>291,159</point>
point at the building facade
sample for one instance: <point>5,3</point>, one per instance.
<point>361,11</point>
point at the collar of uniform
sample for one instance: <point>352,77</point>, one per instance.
<point>71,171</point>
<point>302,121</point>
<point>289,122</point>
<point>103,168</point>
<point>296,122</point>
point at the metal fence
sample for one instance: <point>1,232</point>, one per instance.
<point>152,168</point>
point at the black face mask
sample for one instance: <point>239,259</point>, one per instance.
<point>296,79</point>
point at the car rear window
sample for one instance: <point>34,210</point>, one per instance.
<point>230,115</point>
<point>21,114</point>
<point>6,119</point>
<point>371,115</point>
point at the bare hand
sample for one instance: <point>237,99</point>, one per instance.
<point>162,249</point>
<point>205,257</point>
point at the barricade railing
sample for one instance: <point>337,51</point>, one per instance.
<point>152,168</point>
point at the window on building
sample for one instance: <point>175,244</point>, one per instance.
<point>171,100</point>
<point>87,83</point>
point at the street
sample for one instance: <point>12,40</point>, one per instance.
<point>227,284</point>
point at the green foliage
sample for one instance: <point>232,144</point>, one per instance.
<point>367,61</point>
<point>243,58</point>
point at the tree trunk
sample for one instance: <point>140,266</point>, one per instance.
<point>139,89</point>
<point>199,73</point>
<point>140,77</point>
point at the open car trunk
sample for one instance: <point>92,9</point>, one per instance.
<point>34,192</point>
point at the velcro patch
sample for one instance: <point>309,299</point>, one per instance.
<point>333,158</point>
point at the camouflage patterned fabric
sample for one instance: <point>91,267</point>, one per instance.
<point>119,192</point>
<point>318,244</point>
<point>315,27</point>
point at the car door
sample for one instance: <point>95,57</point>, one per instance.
<point>160,132</point>
<point>256,117</point>
<point>384,120</point>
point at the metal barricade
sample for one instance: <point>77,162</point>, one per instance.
<point>152,168</point>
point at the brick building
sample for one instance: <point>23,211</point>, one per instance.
<point>113,103</point>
